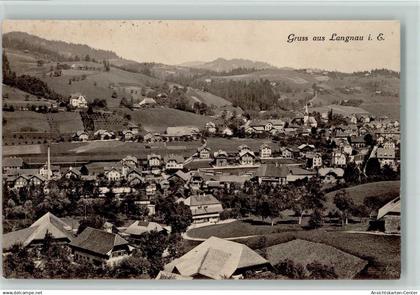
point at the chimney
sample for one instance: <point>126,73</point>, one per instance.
<point>49,173</point>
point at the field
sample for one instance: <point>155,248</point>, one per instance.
<point>23,121</point>
<point>383,190</point>
<point>208,98</point>
<point>339,109</point>
<point>158,119</point>
<point>239,229</point>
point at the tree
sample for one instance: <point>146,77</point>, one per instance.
<point>87,57</point>
<point>315,220</point>
<point>178,216</point>
<point>344,203</point>
<point>373,167</point>
<point>369,140</point>
<point>134,267</point>
<point>19,263</point>
<point>318,271</point>
<point>91,221</point>
<point>351,173</point>
<point>84,170</point>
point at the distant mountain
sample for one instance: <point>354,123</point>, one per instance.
<point>56,50</point>
<point>225,65</point>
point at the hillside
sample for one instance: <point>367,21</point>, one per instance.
<point>53,49</point>
<point>158,119</point>
<point>225,65</point>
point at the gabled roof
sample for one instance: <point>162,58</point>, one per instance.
<point>200,200</point>
<point>300,171</point>
<point>392,207</point>
<point>140,227</point>
<point>97,241</point>
<point>246,152</point>
<point>177,158</point>
<point>147,100</point>
<point>48,222</point>
<point>328,170</point>
<point>272,170</point>
<point>216,258</point>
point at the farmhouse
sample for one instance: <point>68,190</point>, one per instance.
<point>71,173</point>
<point>290,153</point>
<point>81,135</point>
<point>216,259</point>
<point>78,101</point>
<point>260,126</point>
<point>147,102</point>
<point>246,158</point>
<point>386,156</point>
<point>314,160</point>
<point>338,159</point>
<point>34,235</point>
<point>181,132</point>
<point>211,127</point>
<point>174,162</point>
<point>129,161</point>
<point>204,208</point>
<point>99,247</point>
<point>296,173</point>
<point>113,174</point>
<point>273,173</point>
<point>134,176</point>
<point>221,158</point>
<point>138,228</point>
<point>265,151</point>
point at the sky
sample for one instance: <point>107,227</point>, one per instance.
<point>175,42</point>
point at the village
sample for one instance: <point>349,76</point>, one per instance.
<point>331,154</point>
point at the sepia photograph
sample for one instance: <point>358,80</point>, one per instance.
<point>201,149</point>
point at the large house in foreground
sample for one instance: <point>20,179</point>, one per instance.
<point>99,247</point>
<point>217,259</point>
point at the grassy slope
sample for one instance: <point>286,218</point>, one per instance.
<point>208,98</point>
<point>384,190</point>
<point>158,119</point>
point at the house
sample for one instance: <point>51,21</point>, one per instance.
<point>390,213</point>
<point>260,126</point>
<point>296,173</point>
<point>34,235</point>
<point>330,174</point>
<point>78,101</point>
<point>147,102</point>
<point>71,173</point>
<point>290,153</point>
<point>357,142</point>
<point>138,228</point>
<point>152,137</point>
<point>217,259</point>
<point>129,135</point>
<point>129,161</point>
<point>196,181</point>
<point>99,247</point>
<point>389,145</point>
<point>81,135</point>
<point>265,151</point>
<point>347,149</point>
<point>246,158</point>
<point>102,134</point>
<point>273,173</point>
<point>338,159</point>
<point>204,208</point>
<point>309,120</point>
<point>174,162</point>
<point>221,158</point>
<point>303,148</point>
<point>203,152</point>
<point>53,171</point>
<point>113,174</point>
<point>134,177</point>
<point>386,157</point>
<point>20,181</point>
<point>314,160</point>
<point>37,180</point>
<point>151,189</point>
<point>353,119</point>
<point>154,162</point>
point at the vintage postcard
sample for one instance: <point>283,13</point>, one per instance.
<point>201,149</point>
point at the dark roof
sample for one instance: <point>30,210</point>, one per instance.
<point>272,170</point>
<point>300,171</point>
<point>97,241</point>
<point>197,164</point>
<point>198,200</point>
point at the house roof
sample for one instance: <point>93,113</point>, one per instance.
<point>215,258</point>
<point>198,164</point>
<point>97,241</point>
<point>200,200</point>
<point>300,171</point>
<point>346,266</point>
<point>48,222</point>
<point>220,154</point>
<point>177,158</point>
<point>327,170</point>
<point>140,227</point>
<point>185,176</point>
<point>246,152</point>
<point>392,207</point>
<point>12,162</point>
<point>147,100</point>
<point>272,170</point>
